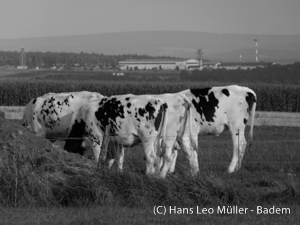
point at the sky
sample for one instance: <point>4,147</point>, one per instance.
<point>43,18</point>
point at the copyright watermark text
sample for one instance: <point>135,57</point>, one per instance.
<point>175,210</point>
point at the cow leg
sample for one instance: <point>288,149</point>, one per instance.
<point>167,157</point>
<point>151,157</point>
<point>239,146</point>
<point>167,161</point>
<point>175,154</point>
<point>110,156</point>
<point>173,164</point>
<point>119,156</point>
<point>191,154</point>
<point>96,151</point>
<point>115,152</point>
<point>243,144</point>
<point>109,163</point>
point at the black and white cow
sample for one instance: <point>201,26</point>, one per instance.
<point>50,115</point>
<point>215,109</point>
<point>132,120</point>
<point>179,134</point>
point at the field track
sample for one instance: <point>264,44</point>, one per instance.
<point>261,118</point>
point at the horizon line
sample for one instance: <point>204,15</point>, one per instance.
<point>145,31</point>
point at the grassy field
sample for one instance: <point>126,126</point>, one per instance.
<point>72,192</point>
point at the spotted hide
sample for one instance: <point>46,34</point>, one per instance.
<point>179,132</point>
<point>50,115</point>
<point>216,109</point>
<point>132,120</point>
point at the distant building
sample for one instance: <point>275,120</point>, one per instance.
<point>22,67</point>
<point>163,64</point>
<point>191,64</point>
<point>150,64</point>
<point>243,65</point>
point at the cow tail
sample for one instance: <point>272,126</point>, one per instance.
<point>252,114</point>
<point>160,142</point>
<point>192,138</point>
<point>188,122</point>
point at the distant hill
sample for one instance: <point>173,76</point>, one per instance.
<point>225,47</point>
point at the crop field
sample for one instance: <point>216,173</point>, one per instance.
<point>42,184</point>
<point>19,93</point>
<point>18,89</point>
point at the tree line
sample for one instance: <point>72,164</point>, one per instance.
<point>68,59</point>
